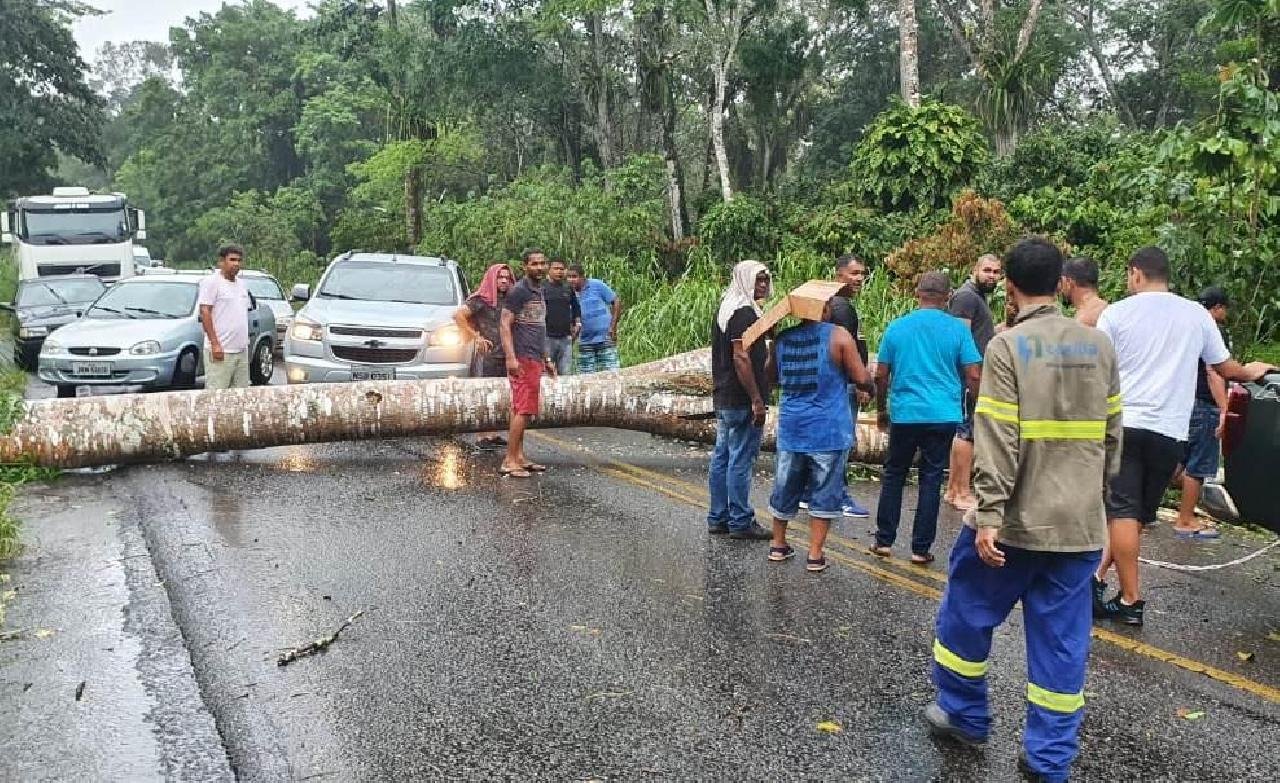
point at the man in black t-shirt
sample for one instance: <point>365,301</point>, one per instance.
<point>1200,461</point>
<point>524,343</point>
<point>564,316</point>
<point>741,386</point>
<point>969,304</point>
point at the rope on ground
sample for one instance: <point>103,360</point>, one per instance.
<point>1215,566</point>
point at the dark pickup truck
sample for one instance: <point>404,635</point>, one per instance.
<point>1250,491</point>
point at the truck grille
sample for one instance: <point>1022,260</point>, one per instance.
<point>101,270</point>
<point>361,331</point>
<point>353,353</point>
<point>93,351</point>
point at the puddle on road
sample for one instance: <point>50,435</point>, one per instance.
<point>298,459</point>
<point>447,468</point>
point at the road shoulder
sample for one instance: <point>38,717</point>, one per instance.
<point>96,678</point>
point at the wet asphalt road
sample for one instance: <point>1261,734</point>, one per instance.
<point>582,626</point>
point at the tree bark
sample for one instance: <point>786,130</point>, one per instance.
<point>667,397</point>
<point>908,53</point>
<point>727,34</point>
<point>604,120</point>
<point>413,204</point>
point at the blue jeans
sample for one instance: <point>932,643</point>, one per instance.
<point>817,475</point>
<point>1201,459</point>
<point>560,350</point>
<point>729,483</point>
<point>933,441</point>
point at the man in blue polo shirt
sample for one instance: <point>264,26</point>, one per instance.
<point>926,358</point>
<point>601,308</point>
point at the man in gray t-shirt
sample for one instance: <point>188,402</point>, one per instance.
<point>969,304</point>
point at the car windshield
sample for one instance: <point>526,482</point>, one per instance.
<point>146,300</point>
<point>262,287</point>
<point>75,226</point>
<point>41,293</point>
<point>380,281</point>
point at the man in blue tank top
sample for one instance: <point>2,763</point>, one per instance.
<point>815,362</point>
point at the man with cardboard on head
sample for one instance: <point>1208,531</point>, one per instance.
<point>814,363</point>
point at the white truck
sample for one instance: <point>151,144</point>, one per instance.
<point>72,232</point>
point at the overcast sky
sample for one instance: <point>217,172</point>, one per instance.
<point>143,20</point>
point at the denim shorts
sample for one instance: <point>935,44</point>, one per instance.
<point>1201,457</point>
<point>818,475</point>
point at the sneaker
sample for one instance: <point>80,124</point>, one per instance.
<point>854,510</point>
<point>753,533</point>
<point>1099,597</point>
<point>815,566</point>
<point>778,554</point>
<point>1128,614</point>
<point>940,726</point>
<point>720,529</point>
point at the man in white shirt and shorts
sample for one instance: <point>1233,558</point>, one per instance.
<point>224,316</point>
<point>1159,338</point>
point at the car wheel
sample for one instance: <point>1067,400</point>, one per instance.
<point>264,364</point>
<point>66,390</point>
<point>184,374</point>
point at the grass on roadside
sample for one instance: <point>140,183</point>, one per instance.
<point>13,382</point>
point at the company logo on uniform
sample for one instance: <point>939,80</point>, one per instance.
<point>1032,347</point>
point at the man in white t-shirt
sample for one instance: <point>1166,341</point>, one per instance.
<point>224,316</point>
<point>1159,338</point>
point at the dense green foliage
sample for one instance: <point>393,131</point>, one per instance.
<point>471,130</point>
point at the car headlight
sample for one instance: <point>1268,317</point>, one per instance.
<point>309,331</point>
<point>448,336</point>
<point>33,331</point>
<point>51,346</point>
<point>145,348</point>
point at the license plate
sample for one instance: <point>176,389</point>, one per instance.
<point>91,369</point>
<point>373,375</point>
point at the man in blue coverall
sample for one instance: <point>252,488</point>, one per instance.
<point>1048,428</point>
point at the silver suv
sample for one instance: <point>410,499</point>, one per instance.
<point>378,316</point>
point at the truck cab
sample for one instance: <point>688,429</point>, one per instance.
<point>72,232</point>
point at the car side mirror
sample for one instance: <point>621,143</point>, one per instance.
<point>301,293</point>
<point>253,303</point>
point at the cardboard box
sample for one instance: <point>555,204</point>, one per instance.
<point>807,301</point>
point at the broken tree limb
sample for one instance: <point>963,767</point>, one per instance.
<point>317,645</point>
<point>870,447</point>
<point>671,397</point>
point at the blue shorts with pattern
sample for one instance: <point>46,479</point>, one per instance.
<point>1201,459</point>
<point>601,357</point>
<point>817,475</point>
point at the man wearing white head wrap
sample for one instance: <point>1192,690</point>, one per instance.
<point>741,387</point>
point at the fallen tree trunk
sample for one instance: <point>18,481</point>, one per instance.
<point>668,397</point>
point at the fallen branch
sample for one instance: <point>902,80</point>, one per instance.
<point>318,645</point>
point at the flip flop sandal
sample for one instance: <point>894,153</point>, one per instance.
<point>881,551</point>
<point>1203,534</point>
<point>779,553</point>
<point>815,566</point>
<point>515,472</point>
<point>535,467</point>
<point>922,560</point>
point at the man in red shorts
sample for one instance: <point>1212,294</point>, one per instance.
<point>524,343</point>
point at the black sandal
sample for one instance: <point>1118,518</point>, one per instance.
<point>922,560</point>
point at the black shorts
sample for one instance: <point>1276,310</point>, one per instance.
<point>1147,463</point>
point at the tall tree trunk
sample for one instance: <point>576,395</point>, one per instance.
<point>1084,17</point>
<point>660,397</point>
<point>717,132</point>
<point>604,120</point>
<point>413,205</point>
<point>908,53</point>
<point>393,14</point>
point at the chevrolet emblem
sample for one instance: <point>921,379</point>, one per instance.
<point>93,351</point>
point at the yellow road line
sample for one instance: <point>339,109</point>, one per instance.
<point>696,496</point>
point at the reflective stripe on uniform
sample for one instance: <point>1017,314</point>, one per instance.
<point>1052,700</point>
<point>1049,429</point>
<point>955,663</point>
<point>1114,405</point>
<point>997,409</point>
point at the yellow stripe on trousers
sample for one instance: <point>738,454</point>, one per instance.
<point>696,495</point>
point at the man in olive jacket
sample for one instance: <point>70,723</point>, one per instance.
<point>1048,428</point>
